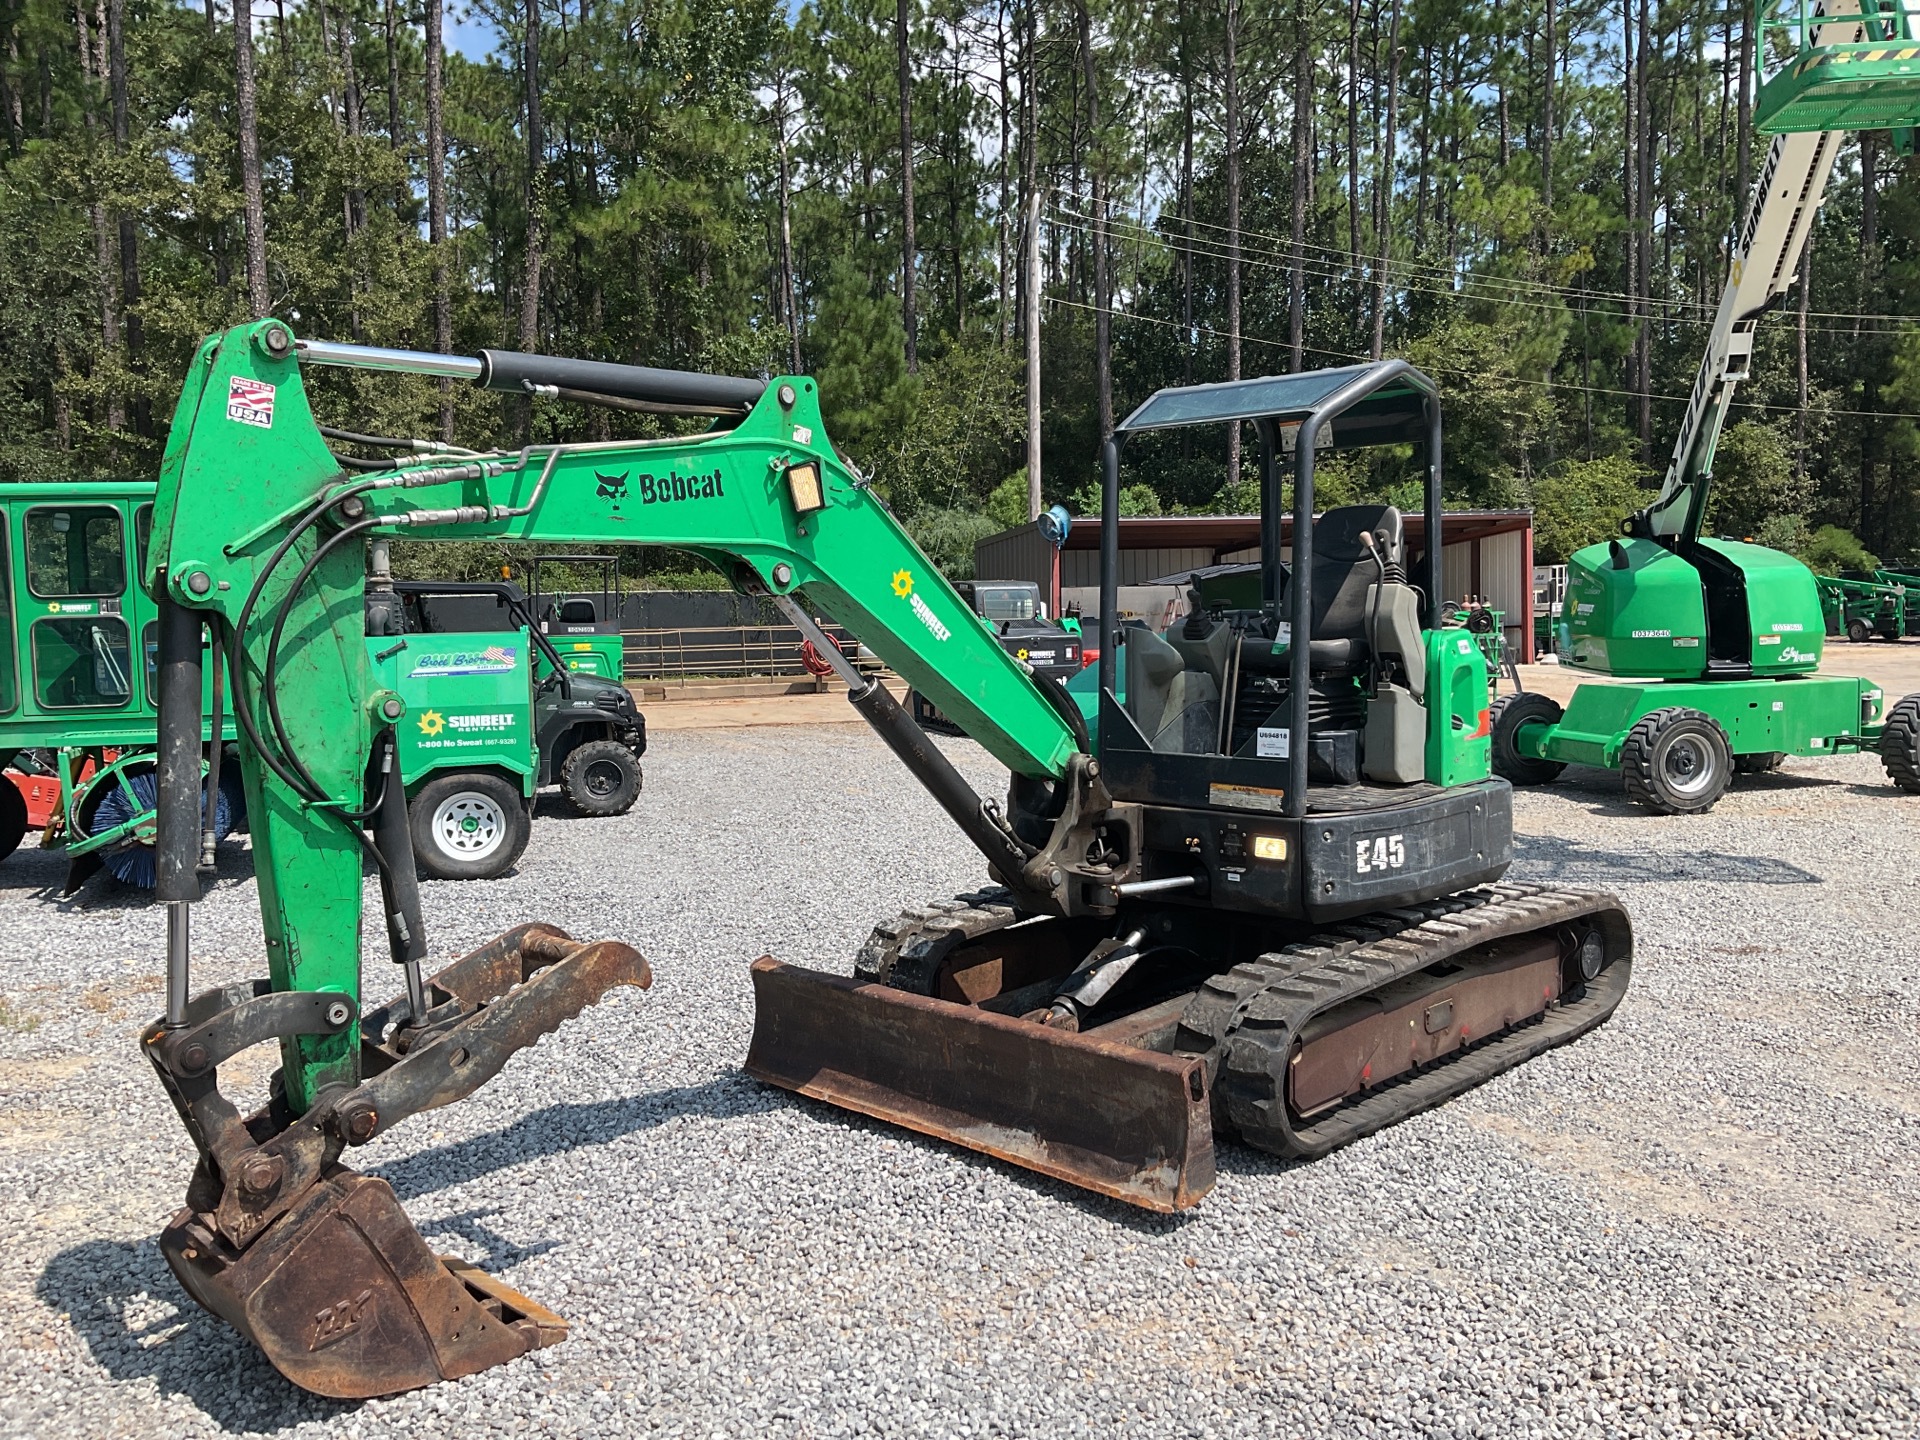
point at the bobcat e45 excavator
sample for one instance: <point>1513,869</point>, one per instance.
<point>1261,892</point>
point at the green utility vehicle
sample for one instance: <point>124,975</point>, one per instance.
<point>482,733</point>
<point>76,711</point>
<point>584,629</point>
<point>1722,638</point>
<point>494,712</point>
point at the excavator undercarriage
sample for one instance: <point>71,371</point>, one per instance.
<point>1293,1040</point>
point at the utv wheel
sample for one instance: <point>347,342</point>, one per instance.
<point>1859,632</point>
<point>1900,745</point>
<point>468,827</point>
<point>1676,761</point>
<point>601,777</point>
<point>13,817</point>
<point>1759,763</point>
<point>1508,714</point>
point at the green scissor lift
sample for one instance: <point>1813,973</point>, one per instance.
<point>1721,640</point>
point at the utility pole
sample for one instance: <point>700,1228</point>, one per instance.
<point>1033,356</point>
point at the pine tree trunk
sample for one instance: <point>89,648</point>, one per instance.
<point>1302,177</point>
<point>1643,345</point>
<point>1231,80</point>
<point>1102,278</point>
<point>394,138</point>
<point>1546,130</point>
<point>536,158</point>
<point>1186,203</point>
<point>1353,141</point>
<point>1384,186</point>
<point>786,229</point>
<point>129,231</point>
<point>909,251</point>
<point>103,237</point>
<point>1002,228</point>
<point>437,204</point>
<point>253,197</point>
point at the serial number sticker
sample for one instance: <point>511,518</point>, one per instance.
<point>1248,797</point>
<point>1271,742</point>
<point>250,401</point>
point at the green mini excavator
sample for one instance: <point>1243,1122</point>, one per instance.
<point>1251,879</point>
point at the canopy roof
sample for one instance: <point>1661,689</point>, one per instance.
<point>1381,402</point>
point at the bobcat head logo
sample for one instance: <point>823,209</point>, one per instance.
<point>612,487</point>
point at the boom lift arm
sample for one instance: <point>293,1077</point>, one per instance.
<point>260,533</point>
<point>1764,265</point>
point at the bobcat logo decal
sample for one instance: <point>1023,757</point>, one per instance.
<point>612,487</point>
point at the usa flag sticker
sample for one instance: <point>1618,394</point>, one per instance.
<point>250,402</point>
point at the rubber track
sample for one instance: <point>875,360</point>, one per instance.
<point>905,952</point>
<point>1247,1018</point>
<point>1900,745</point>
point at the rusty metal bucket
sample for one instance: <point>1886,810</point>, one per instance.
<point>1124,1121</point>
<point>345,1299</point>
<point>316,1263</point>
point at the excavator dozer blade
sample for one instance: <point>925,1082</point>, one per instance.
<point>1127,1122</point>
<point>345,1299</point>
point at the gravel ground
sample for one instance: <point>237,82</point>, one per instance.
<point>1702,1220</point>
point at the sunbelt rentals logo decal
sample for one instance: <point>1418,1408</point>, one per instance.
<point>493,660</point>
<point>903,587</point>
<point>440,731</point>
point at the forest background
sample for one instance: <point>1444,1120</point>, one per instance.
<point>1531,200</point>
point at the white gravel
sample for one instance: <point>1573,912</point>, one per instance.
<point>1702,1220</point>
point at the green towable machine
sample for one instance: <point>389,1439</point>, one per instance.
<point>1722,639</point>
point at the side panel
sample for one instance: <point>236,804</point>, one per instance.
<point>1799,715</point>
<point>468,701</point>
<point>1649,619</point>
<point>1459,743</point>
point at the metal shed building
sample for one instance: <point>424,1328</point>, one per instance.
<point>1484,552</point>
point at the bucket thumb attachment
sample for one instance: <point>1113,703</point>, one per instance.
<point>314,1262</point>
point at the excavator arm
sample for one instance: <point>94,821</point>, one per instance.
<point>262,536</point>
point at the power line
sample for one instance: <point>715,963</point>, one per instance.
<point>1283,244</point>
<point>1569,388</point>
<point>1325,270</point>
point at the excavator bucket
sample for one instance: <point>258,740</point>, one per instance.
<point>345,1299</point>
<point>1093,1111</point>
<point>316,1263</point>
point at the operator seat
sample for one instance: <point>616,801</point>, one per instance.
<point>578,612</point>
<point>1344,571</point>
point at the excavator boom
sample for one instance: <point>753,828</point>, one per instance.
<point>262,538</point>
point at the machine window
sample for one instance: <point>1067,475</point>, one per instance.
<point>1006,602</point>
<point>9,667</point>
<point>75,550</point>
<point>81,661</point>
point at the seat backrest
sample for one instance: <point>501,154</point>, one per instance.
<point>578,612</point>
<point>1343,568</point>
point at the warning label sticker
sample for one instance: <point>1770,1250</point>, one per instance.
<point>250,402</point>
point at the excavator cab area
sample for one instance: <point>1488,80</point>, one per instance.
<point>1327,688</point>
